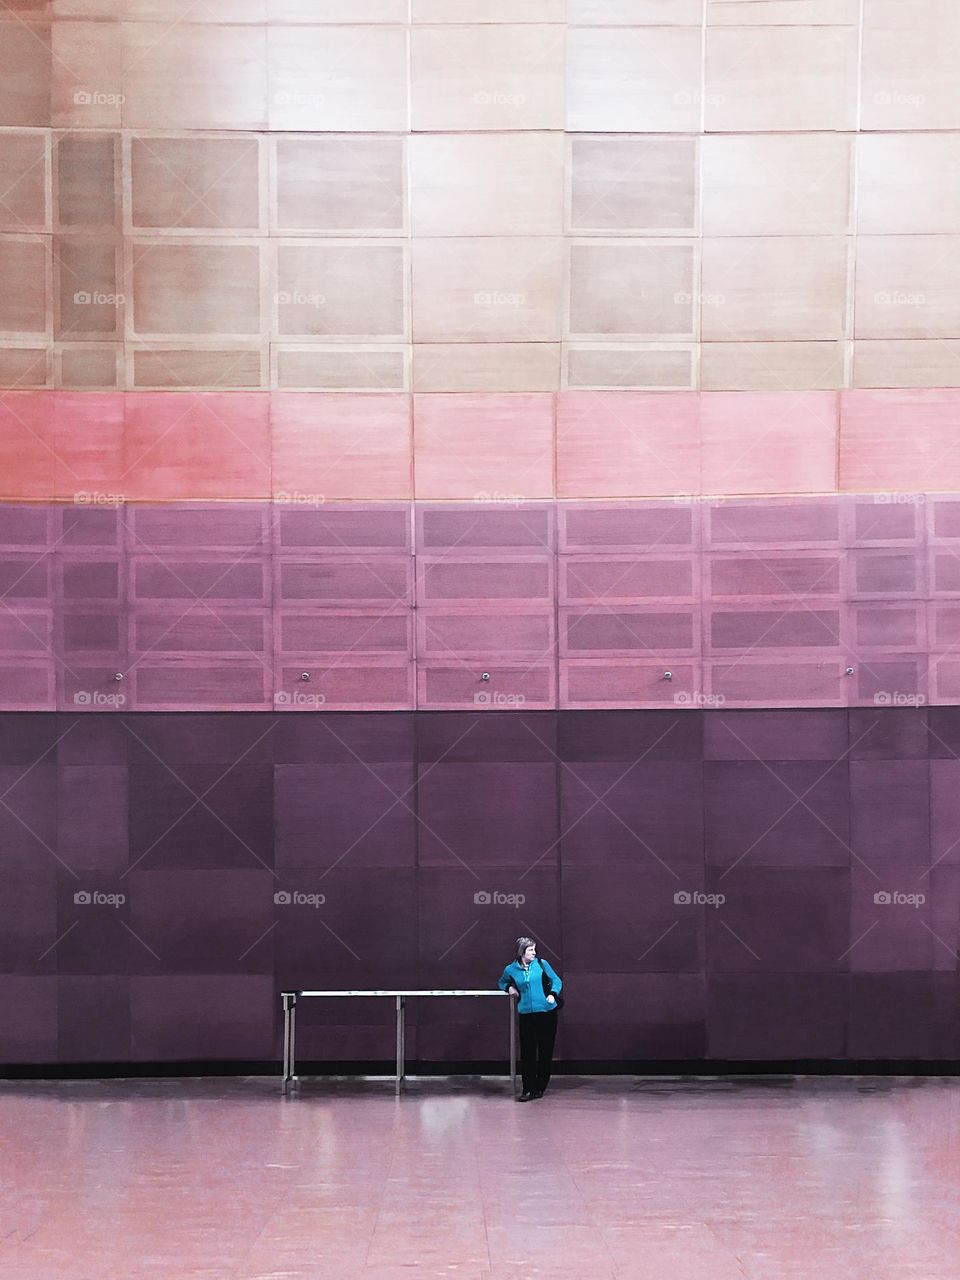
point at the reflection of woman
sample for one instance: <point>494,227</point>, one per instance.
<point>538,1015</point>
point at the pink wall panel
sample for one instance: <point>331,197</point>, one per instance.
<point>476,632</point>
<point>769,443</point>
<point>461,579</point>
<point>625,444</point>
<point>160,529</point>
<point>625,683</point>
<point>345,580</point>
<point>787,523</point>
<point>196,446</point>
<point>512,686</point>
<point>28,685</point>
<point>347,684</point>
<point>626,578</point>
<point>189,684</point>
<point>348,528</point>
<point>639,526</point>
<point>330,447</point>
<point>484,447</point>
<point>506,526</point>
<point>226,604</point>
<point>27,445</point>
<point>900,441</point>
<point>749,574</point>
<point>621,633</point>
<point>88,435</point>
<point>338,631</point>
<point>501,451</point>
<point>790,682</point>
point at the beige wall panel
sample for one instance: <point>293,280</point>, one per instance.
<point>85,169</point>
<point>23,181</point>
<point>633,184</point>
<point>87,88</point>
<point>196,287</point>
<point>486,184</point>
<point>339,184</point>
<point>340,290</point>
<point>773,288</point>
<point>633,289</point>
<point>194,77</point>
<point>780,78</point>
<point>909,183</point>
<point>778,184</point>
<point>612,366</point>
<point>487,289</point>
<point>633,80</point>
<point>24,283</point>
<point>338,78</point>
<point>772,366</point>
<point>487,77</point>
<point>492,366</point>
<point>204,183</point>
<point>908,287</point>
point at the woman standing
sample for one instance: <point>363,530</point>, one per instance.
<point>535,982</point>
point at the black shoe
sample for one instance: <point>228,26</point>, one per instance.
<point>538,1094</point>
<point>526,1097</point>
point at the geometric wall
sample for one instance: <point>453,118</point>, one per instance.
<point>573,342</point>
<point>836,600</point>
<point>580,828</point>
<point>473,195</point>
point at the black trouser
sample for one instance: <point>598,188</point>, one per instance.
<point>538,1031</point>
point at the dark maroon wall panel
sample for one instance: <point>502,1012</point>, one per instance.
<point>713,884</point>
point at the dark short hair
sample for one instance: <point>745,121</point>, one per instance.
<point>522,944</point>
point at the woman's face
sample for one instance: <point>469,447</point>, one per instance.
<point>529,953</point>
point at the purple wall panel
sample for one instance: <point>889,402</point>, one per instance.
<point>759,602</point>
<point>707,881</point>
<point>761,813</point>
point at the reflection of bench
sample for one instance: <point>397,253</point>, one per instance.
<point>290,999</point>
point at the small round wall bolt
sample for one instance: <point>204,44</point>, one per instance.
<point>485,675</point>
<point>849,671</point>
<point>118,676</point>
<point>668,675</point>
<point>304,675</point>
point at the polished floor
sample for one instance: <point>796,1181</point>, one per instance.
<point>732,1179</point>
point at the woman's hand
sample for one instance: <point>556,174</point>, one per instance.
<point>551,999</point>
<point>512,991</point>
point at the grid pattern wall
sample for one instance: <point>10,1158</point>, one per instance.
<point>728,885</point>
<point>830,601</point>
<point>471,195</point>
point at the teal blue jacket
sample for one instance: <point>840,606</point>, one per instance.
<point>529,982</point>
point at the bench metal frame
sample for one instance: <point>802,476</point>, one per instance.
<point>290,1079</point>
